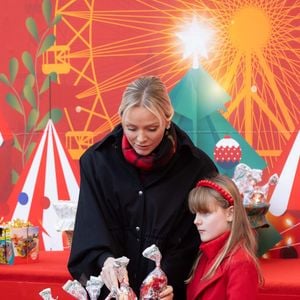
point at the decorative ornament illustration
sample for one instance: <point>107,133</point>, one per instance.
<point>227,152</point>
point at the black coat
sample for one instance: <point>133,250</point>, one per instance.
<point>120,212</point>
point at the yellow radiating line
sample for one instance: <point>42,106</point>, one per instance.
<point>91,112</point>
<point>82,72</point>
<point>269,75</point>
<point>67,4</point>
<point>77,33</point>
<point>232,72</point>
<point>87,78</point>
<point>111,47</point>
<point>105,127</point>
<point>269,153</point>
<point>94,76</point>
<point>235,103</point>
<point>271,116</point>
<point>126,74</point>
<point>248,101</point>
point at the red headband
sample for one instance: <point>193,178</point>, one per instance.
<point>217,188</point>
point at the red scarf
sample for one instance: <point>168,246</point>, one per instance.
<point>156,159</point>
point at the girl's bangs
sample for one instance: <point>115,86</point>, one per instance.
<point>200,200</point>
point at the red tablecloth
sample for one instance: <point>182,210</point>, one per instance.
<point>25,281</point>
<point>282,279</point>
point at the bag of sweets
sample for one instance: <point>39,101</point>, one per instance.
<point>156,280</point>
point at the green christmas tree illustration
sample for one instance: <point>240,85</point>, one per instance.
<point>198,99</point>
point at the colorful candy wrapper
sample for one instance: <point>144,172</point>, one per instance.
<point>75,289</point>
<point>156,281</point>
<point>46,294</point>
<point>93,286</point>
<point>125,290</point>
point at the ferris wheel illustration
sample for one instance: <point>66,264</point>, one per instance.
<point>100,47</point>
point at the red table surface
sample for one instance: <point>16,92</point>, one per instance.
<point>25,281</point>
<point>282,279</point>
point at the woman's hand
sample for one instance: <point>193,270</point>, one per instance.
<point>167,293</point>
<point>108,274</point>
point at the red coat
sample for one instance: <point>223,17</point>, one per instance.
<point>235,279</point>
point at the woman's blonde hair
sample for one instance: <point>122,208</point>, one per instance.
<point>241,233</point>
<point>149,92</point>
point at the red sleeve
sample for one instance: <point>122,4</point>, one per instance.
<point>242,281</point>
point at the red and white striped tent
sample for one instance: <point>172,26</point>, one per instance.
<point>47,178</point>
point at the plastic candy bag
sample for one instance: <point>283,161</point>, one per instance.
<point>156,281</point>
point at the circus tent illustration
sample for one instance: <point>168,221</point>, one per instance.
<point>47,179</point>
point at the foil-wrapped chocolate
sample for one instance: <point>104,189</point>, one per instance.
<point>247,181</point>
<point>93,287</point>
<point>156,281</point>
<point>46,294</point>
<point>254,193</point>
<point>75,289</point>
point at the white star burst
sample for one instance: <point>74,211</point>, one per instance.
<point>195,38</point>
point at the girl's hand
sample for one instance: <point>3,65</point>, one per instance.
<point>167,293</point>
<point>108,274</point>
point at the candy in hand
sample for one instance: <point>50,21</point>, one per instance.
<point>156,280</point>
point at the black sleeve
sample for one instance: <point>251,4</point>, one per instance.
<point>92,242</point>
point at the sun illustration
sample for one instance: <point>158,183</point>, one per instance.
<point>250,29</point>
<point>254,56</point>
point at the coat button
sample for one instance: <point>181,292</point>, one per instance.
<point>140,193</point>
<point>137,228</point>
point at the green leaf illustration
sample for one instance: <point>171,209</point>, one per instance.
<point>4,79</point>
<point>32,119</point>
<point>16,143</point>
<point>28,62</point>
<point>13,69</point>
<point>46,83</point>
<point>31,27</point>
<point>56,20</point>
<point>53,76</point>
<point>14,176</point>
<point>29,80</point>
<point>29,95</point>
<point>46,7</point>
<point>47,43</point>
<point>55,114</point>
<point>12,100</point>
<point>30,150</point>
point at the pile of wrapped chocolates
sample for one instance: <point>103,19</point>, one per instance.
<point>151,287</point>
<point>254,193</point>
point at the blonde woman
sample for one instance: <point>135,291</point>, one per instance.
<point>134,193</point>
<point>226,268</point>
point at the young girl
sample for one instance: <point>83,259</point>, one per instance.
<point>227,267</point>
